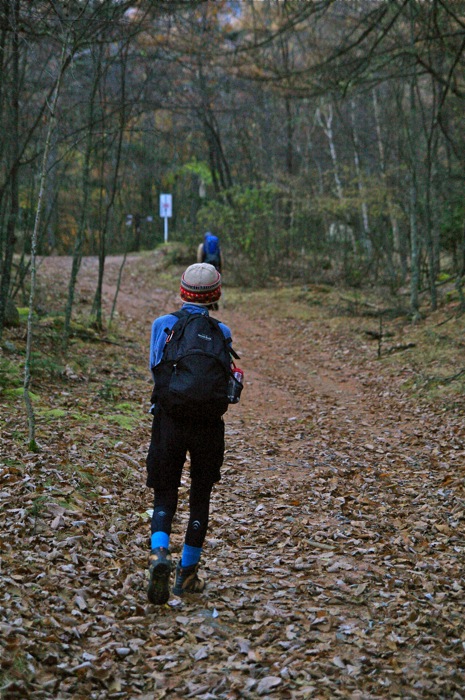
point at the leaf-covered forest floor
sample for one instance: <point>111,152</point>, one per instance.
<point>335,554</point>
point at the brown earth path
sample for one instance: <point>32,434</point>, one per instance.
<point>335,551</point>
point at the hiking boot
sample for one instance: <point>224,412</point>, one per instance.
<point>160,566</point>
<point>187,580</point>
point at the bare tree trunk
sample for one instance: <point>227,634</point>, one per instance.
<point>10,238</point>
<point>35,235</point>
<point>120,275</point>
<point>325,120</point>
<point>4,60</point>
<point>324,117</point>
<point>430,229</point>
<point>290,165</point>
<point>413,214</point>
<point>122,124</point>
<point>77,252</point>
<point>219,166</point>
<point>97,305</point>
<point>461,272</point>
<point>432,217</point>
<point>398,257</point>
<point>361,187</point>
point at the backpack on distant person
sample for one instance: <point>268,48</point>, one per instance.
<point>211,250</point>
<point>192,379</point>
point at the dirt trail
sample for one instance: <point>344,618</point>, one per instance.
<point>289,377</point>
<point>335,552</point>
<point>316,416</point>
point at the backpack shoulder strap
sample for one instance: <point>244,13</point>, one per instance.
<point>181,313</point>
<point>226,340</point>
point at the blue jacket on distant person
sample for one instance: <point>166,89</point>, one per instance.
<point>210,251</point>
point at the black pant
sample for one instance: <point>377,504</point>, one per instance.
<point>171,440</point>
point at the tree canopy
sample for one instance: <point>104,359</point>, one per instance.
<point>323,136</point>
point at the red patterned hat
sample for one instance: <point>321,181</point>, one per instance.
<point>201,284</point>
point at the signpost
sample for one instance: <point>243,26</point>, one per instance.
<point>166,211</point>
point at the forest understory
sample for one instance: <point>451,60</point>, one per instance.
<point>335,553</point>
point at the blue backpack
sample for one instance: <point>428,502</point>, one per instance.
<point>211,250</point>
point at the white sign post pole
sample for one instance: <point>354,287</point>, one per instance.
<point>166,211</point>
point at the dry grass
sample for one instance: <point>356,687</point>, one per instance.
<point>430,352</point>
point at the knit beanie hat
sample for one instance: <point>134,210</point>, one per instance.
<point>201,284</point>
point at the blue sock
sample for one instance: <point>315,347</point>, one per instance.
<point>190,555</point>
<point>160,539</point>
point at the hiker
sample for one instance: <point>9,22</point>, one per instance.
<point>210,251</point>
<point>187,422</point>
